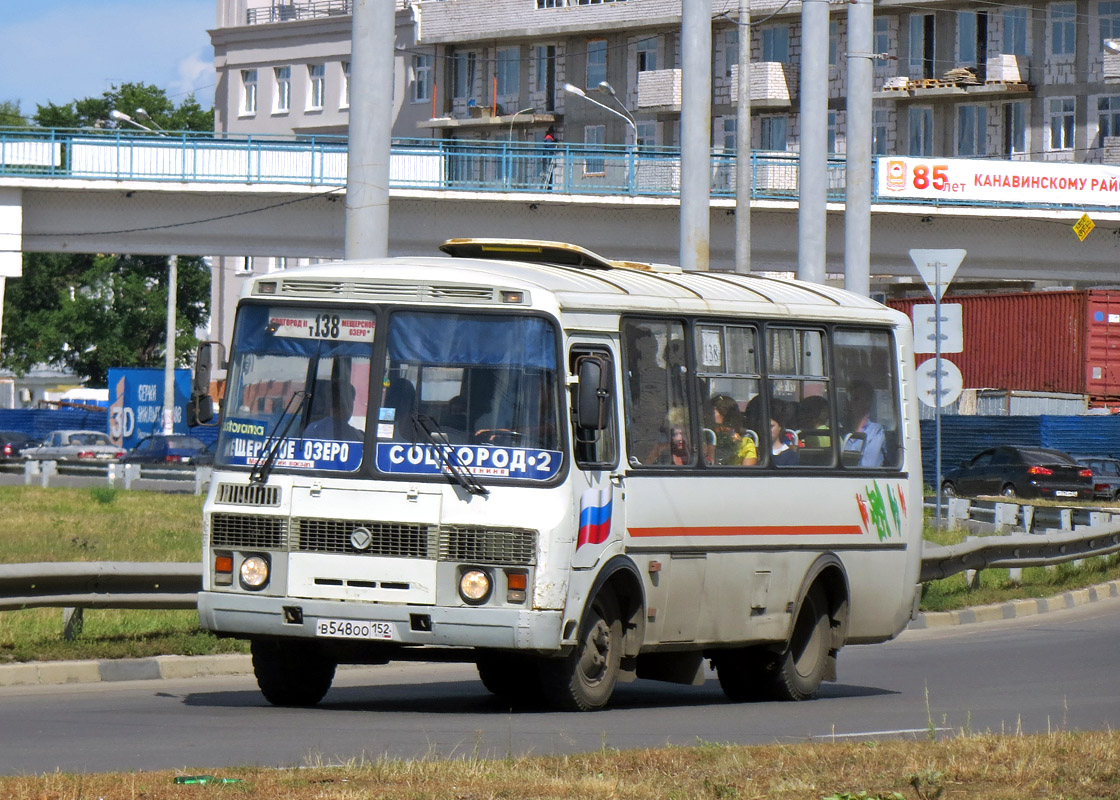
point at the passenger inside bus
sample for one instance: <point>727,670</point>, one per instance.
<point>400,397</point>
<point>861,397</point>
<point>331,412</point>
<point>733,445</point>
<point>674,446</point>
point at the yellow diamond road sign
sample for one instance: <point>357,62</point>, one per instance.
<point>1083,227</point>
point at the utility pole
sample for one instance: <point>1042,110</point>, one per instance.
<point>813,164</point>
<point>744,166</point>
<point>169,351</point>
<point>857,192</point>
<point>372,40</point>
<point>696,133</point>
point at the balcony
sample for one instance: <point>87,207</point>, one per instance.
<point>660,90</point>
<point>773,84</point>
<point>286,12</point>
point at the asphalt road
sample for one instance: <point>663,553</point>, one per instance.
<point>1035,674</point>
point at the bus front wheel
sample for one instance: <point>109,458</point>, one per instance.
<point>585,679</point>
<point>291,673</point>
<point>510,676</point>
<point>800,668</point>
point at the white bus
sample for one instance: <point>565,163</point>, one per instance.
<point>569,470</point>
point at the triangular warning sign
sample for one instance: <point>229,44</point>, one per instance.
<point>937,268</point>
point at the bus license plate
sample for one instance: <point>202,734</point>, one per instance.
<point>354,629</point>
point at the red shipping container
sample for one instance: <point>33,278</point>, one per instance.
<point>1066,341</point>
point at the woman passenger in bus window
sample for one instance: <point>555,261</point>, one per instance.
<point>732,446</point>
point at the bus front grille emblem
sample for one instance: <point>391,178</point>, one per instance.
<point>361,538</point>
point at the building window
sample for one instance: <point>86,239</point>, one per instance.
<point>508,71</point>
<point>1015,128</point>
<point>966,37</point>
<point>248,91</point>
<point>1061,123</point>
<point>1063,29</point>
<point>833,41</point>
<point>244,266</point>
<point>596,61</point>
<point>1015,33</point>
<point>775,43</point>
<point>647,133</point>
<point>831,135</point>
<point>421,78</point>
<point>972,126</point>
<point>729,128</point>
<point>647,54</point>
<point>922,44</point>
<point>882,35</point>
<point>544,60</point>
<point>773,133</point>
<point>462,74</point>
<point>921,131</point>
<point>1108,116</point>
<point>880,120</point>
<point>1108,17</point>
<point>730,51</point>
<point>346,84</point>
<point>317,78</point>
<point>283,102</point>
<point>594,135</point>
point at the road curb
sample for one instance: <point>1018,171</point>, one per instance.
<point>45,673</point>
<point>1015,609</point>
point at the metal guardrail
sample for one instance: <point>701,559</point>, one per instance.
<point>74,586</point>
<point>119,475</point>
<point>414,163</point>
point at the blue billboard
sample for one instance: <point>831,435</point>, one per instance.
<point>136,403</point>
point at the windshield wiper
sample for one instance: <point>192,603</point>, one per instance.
<point>263,468</point>
<point>446,454</point>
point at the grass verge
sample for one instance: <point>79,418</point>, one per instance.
<point>104,524</point>
<point>968,767</point>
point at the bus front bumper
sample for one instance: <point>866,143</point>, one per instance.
<point>248,616</point>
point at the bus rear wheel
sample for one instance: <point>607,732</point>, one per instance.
<point>291,673</point>
<point>585,679</point>
<point>800,668</point>
<point>744,673</point>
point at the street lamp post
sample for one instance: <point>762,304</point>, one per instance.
<point>627,117</point>
<point>167,426</point>
<point>509,136</point>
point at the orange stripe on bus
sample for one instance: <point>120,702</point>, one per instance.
<point>752,530</point>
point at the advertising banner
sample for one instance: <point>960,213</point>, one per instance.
<point>136,403</point>
<point>982,181</point>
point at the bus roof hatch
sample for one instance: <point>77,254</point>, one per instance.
<point>530,250</point>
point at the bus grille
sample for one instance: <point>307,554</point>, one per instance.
<point>487,545</point>
<point>386,538</point>
<point>248,531</point>
<point>240,494</point>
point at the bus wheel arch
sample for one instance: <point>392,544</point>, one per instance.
<point>608,639</point>
<point>817,631</point>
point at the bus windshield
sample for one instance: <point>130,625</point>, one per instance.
<point>480,390</point>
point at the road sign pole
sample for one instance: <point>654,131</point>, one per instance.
<point>937,387</point>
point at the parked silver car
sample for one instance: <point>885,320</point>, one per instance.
<point>75,446</point>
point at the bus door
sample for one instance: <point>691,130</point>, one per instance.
<point>597,490</point>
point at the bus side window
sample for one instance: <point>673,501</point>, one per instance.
<point>595,449</point>
<point>868,398</point>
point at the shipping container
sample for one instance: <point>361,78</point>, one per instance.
<point>1061,341</point>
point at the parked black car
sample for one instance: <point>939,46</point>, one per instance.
<point>1106,475</point>
<point>164,449</point>
<point>13,443</point>
<point>1020,472</point>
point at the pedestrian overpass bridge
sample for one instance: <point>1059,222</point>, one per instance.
<point>192,194</point>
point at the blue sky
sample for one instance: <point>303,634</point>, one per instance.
<point>62,50</point>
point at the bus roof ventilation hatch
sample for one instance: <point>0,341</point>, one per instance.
<point>529,250</point>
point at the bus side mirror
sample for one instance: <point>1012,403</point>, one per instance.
<point>200,408</point>
<point>593,392</point>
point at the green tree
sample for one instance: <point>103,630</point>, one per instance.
<point>93,112</point>
<point>91,312</point>
<point>10,115</point>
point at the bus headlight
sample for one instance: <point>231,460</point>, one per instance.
<point>474,586</point>
<point>254,572</point>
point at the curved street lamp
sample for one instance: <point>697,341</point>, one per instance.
<point>509,138</point>
<point>578,92</point>
<point>606,87</point>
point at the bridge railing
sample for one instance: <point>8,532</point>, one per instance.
<point>415,163</point>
